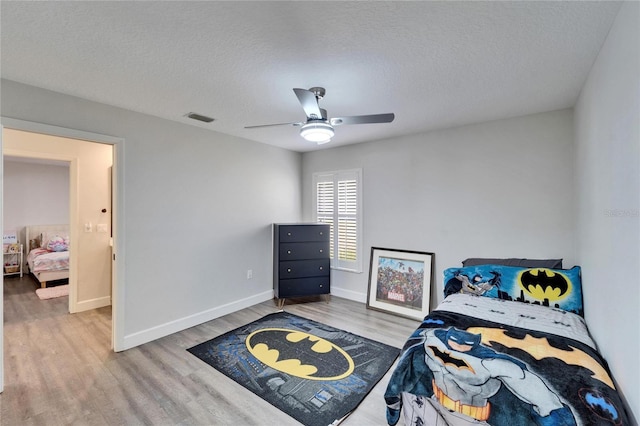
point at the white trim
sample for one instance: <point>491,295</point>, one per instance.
<point>96,303</point>
<point>157,332</point>
<point>47,129</point>
<point>348,294</point>
<point>118,290</point>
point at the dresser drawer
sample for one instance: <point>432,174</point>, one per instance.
<point>302,233</point>
<point>301,264</point>
<point>303,287</point>
<point>303,268</point>
<point>301,251</point>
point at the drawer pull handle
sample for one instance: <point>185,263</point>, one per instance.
<point>288,269</point>
<point>321,233</point>
<point>321,251</point>
<point>288,251</point>
<point>321,268</point>
<point>289,234</point>
<point>320,285</point>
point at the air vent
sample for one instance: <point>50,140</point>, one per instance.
<point>200,117</point>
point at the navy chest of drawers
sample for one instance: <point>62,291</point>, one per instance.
<point>301,264</point>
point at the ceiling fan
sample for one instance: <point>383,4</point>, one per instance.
<point>318,128</point>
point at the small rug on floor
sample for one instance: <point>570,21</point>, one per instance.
<point>53,292</point>
<point>315,373</point>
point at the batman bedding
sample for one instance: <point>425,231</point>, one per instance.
<point>519,356</point>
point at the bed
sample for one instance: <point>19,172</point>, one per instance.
<point>507,346</point>
<point>48,252</point>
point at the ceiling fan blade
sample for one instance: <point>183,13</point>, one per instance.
<point>363,119</point>
<point>309,104</point>
<point>272,125</point>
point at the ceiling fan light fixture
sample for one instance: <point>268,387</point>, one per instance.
<point>318,128</point>
<point>318,132</point>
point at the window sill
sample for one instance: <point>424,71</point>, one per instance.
<point>355,271</point>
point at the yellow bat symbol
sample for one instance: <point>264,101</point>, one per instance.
<point>540,348</point>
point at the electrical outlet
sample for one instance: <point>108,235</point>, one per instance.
<point>249,274</point>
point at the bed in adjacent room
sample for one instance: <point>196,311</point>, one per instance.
<point>48,252</point>
<point>507,346</point>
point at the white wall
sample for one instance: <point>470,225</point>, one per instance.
<point>607,122</point>
<point>35,194</point>
<point>198,208</point>
<point>496,189</point>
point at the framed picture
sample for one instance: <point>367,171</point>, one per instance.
<point>400,282</point>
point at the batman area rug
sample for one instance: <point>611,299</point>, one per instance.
<point>315,373</point>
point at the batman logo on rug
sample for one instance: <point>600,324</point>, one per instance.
<point>299,354</point>
<point>544,283</point>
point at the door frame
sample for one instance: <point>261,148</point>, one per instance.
<point>117,276</point>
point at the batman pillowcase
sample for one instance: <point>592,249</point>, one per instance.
<point>559,288</point>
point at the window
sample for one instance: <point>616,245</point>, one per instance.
<point>337,197</point>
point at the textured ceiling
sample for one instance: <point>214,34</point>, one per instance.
<point>434,64</point>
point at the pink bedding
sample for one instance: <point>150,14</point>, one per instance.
<point>40,260</point>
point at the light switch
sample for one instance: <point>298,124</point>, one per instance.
<point>102,227</point>
<point>88,227</point>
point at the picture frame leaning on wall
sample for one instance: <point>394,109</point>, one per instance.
<point>400,282</point>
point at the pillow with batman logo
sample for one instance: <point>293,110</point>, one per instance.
<point>556,288</point>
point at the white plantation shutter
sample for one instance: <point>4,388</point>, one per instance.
<point>337,198</point>
<point>347,220</point>
<point>325,209</point>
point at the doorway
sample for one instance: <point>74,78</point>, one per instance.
<point>89,272</point>
<point>36,195</point>
<point>76,220</point>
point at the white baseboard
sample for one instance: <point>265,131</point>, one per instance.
<point>87,305</point>
<point>349,294</point>
<point>145,336</point>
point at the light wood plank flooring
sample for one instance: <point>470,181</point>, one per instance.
<point>59,369</point>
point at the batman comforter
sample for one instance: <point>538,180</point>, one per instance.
<point>476,360</point>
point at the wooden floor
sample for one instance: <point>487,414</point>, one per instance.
<point>59,369</point>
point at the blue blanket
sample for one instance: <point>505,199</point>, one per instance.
<point>464,370</point>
